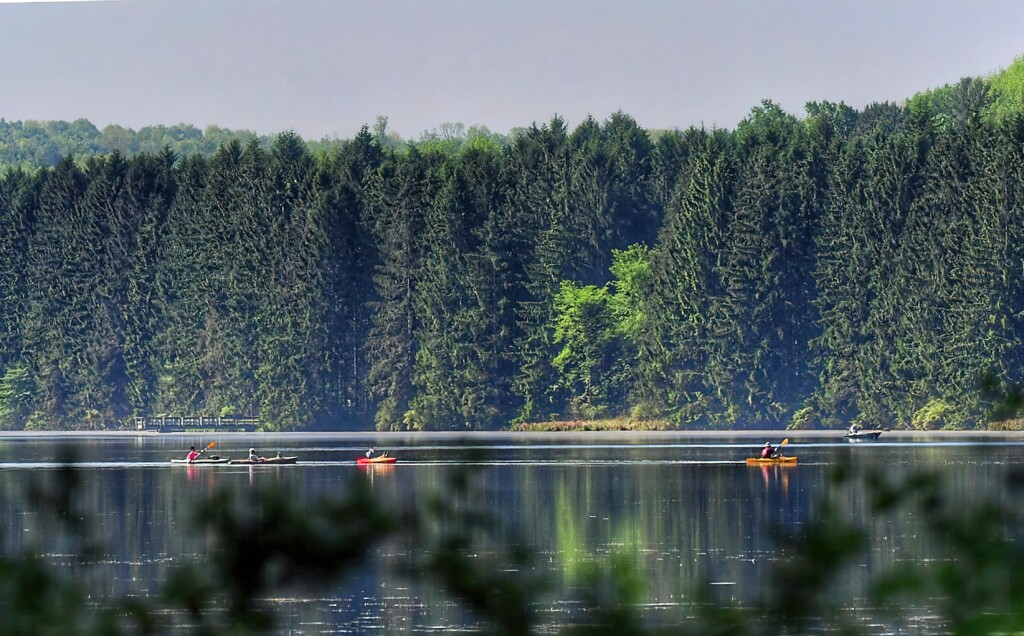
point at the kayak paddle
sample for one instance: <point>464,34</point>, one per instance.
<point>778,450</point>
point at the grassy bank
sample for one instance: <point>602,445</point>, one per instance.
<point>1016,424</point>
<point>633,424</point>
<point>613,424</point>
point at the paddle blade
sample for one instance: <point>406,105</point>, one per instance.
<point>784,442</point>
<point>211,445</point>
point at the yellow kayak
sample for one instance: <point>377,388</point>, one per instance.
<point>757,461</point>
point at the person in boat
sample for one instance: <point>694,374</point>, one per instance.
<point>193,454</point>
<point>769,452</point>
<point>370,454</point>
<point>253,457</point>
<point>854,429</point>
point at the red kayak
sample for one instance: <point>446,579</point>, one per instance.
<point>381,459</point>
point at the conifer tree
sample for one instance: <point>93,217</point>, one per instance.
<point>397,206</point>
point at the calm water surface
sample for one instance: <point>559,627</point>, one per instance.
<point>685,508</point>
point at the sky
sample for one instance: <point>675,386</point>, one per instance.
<point>324,68</point>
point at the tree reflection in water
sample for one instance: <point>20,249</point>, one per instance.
<point>267,544</point>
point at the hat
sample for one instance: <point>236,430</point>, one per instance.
<point>252,450</point>
<point>767,443</point>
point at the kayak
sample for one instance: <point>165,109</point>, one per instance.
<point>202,460</point>
<point>381,459</point>
<point>267,460</point>
<point>756,461</point>
<point>862,435</point>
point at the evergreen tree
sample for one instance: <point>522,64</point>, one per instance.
<point>186,291</point>
<point>953,279</point>
<point>60,311</point>
<point>19,193</point>
<point>289,313</point>
<point>150,189</point>
<point>347,261</point>
<point>397,202</point>
<point>459,360</point>
<point>685,278</point>
<point>538,190</point>
<point>1008,167</point>
<point>761,324</point>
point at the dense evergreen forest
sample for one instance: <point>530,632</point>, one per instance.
<point>844,266</point>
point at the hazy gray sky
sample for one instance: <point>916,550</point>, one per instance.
<point>326,67</point>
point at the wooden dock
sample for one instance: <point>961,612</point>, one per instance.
<point>166,424</point>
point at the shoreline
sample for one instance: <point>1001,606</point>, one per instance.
<point>773,435</point>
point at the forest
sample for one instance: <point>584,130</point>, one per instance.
<point>843,266</point>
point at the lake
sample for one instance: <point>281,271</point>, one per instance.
<point>683,508</point>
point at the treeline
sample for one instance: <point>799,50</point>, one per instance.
<point>842,267</point>
<point>36,144</point>
<point>42,144</point>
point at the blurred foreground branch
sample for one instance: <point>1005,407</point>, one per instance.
<point>266,541</point>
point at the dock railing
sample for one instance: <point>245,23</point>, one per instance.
<point>167,424</point>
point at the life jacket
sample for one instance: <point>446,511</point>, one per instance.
<point>766,452</point>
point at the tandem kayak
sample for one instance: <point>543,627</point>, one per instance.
<point>383,459</point>
<point>203,460</point>
<point>853,437</point>
<point>756,461</point>
<point>267,460</point>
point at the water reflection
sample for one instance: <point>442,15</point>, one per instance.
<point>684,511</point>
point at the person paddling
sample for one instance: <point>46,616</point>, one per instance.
<point>193,454</point>
<point>768,452</point>
<point>253,457</point>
